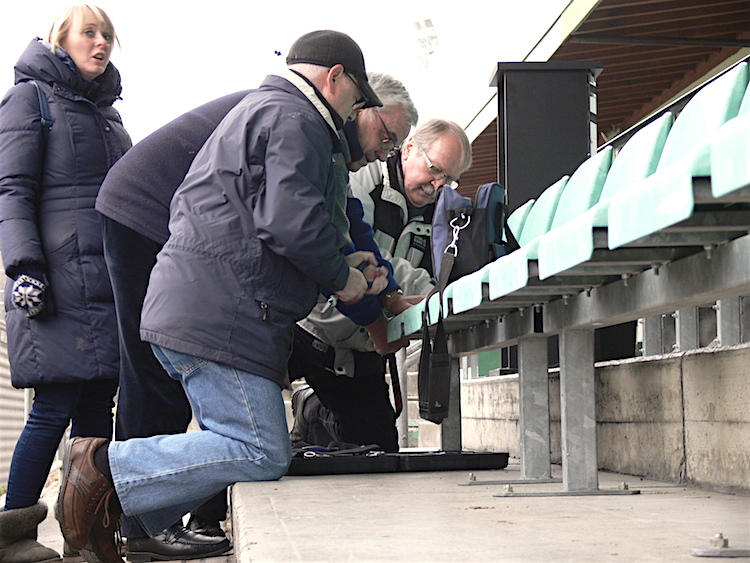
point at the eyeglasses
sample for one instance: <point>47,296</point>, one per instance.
<point>362,99</point>
<point>438,174</point>
<point>389,139</point>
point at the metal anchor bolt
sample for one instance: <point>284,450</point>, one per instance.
<point>719,541</point>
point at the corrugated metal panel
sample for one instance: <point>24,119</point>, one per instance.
<point>12,408</point>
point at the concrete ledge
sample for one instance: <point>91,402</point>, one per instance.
<point>676,417</point>
<point>427,517</point>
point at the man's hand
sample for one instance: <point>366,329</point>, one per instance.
<point>378,331</point>
<point>399,303</point>
<point>358,256</point>
<point>355,288</point>
<point>376,276</point>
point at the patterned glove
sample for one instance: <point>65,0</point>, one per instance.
<point>28,292</point>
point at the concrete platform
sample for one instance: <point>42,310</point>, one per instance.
<point>429,517</point>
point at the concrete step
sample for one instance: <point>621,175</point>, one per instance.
<point>429,517</point>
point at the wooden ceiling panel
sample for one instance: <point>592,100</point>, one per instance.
<point>650,50</point>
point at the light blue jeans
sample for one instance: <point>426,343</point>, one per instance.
<point>244,438</point>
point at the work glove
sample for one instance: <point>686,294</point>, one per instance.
<point>29,289</point>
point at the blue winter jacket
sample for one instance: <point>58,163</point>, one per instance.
<point>251,239</point>
<point>48,186</point>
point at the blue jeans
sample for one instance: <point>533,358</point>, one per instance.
<point>244,438</point>
<point>149,402</point>
<point>88,404</point>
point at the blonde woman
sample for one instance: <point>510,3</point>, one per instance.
<point>60,316</point>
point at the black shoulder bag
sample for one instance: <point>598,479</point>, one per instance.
<point>466,235</point>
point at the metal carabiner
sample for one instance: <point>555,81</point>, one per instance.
<point>453,245</point>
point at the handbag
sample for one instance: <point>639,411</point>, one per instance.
<point>465,237</point>
<point>481,224</point>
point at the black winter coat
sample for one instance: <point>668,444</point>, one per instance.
<point>251,237</point>
<point>48,187</point>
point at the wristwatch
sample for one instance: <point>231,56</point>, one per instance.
<point>384,297</point>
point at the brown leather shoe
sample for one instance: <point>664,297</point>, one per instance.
<point>102,546</point>
<point>84,509</point>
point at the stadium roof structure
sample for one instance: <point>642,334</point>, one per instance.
<point>652,51</point>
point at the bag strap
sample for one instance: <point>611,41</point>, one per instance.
<point>43,107</point>
<point>440,343</point>
<point>511,244</point>
<point>398,398</point>
<point>457,224</point>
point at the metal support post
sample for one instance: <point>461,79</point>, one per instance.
<point>652,336</point>
<point>578,414</point>
<point>470,367</point>
<point>578,410</point>
<point>402,422</point>
<point>533,390</point>
<point>687,329</point>
<point>728,321</point>
<point>451,426</point>
<point>534,408</point>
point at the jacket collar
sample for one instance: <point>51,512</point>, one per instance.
<point>38,63</point>
<point>392,181</point>
<point>316,98</point>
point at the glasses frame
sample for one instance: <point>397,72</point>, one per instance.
<point>388,140</point>
<point>438,174</point>
<point>362,101</point>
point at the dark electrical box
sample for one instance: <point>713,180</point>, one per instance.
<point>546,125</point>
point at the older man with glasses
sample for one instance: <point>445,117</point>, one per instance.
<point>347,400</point>
<point>376,133</point>
<point>398,196</point>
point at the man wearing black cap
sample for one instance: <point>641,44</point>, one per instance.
<point>256,229</point>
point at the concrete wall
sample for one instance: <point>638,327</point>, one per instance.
<point>682,417</point>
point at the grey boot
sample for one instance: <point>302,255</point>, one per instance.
<point>18,533</point>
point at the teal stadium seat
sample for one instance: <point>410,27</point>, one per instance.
<point>511,272</point>
<point>665,198</point>
<point>574,197</point>
<point>730,153</point>
<point>572,243</point>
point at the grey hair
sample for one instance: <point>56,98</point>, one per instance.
<point>431,130</point>
<point>309,70</point>
<point>392,93</point>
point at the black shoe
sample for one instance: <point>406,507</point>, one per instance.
<point>298,434</point>
<point>205,527</point>
<point>176,542</point>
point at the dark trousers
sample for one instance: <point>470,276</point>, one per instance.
<point>87,404</point>
<point>360,410</point>
<point>149,401</point>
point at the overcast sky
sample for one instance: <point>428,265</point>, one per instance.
<point>176,55</point>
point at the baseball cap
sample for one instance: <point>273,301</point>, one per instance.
<point>329,48</point>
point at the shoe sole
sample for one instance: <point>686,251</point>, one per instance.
<point>92,556</point>
<point>63,484</point>
<point>147,556</point>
